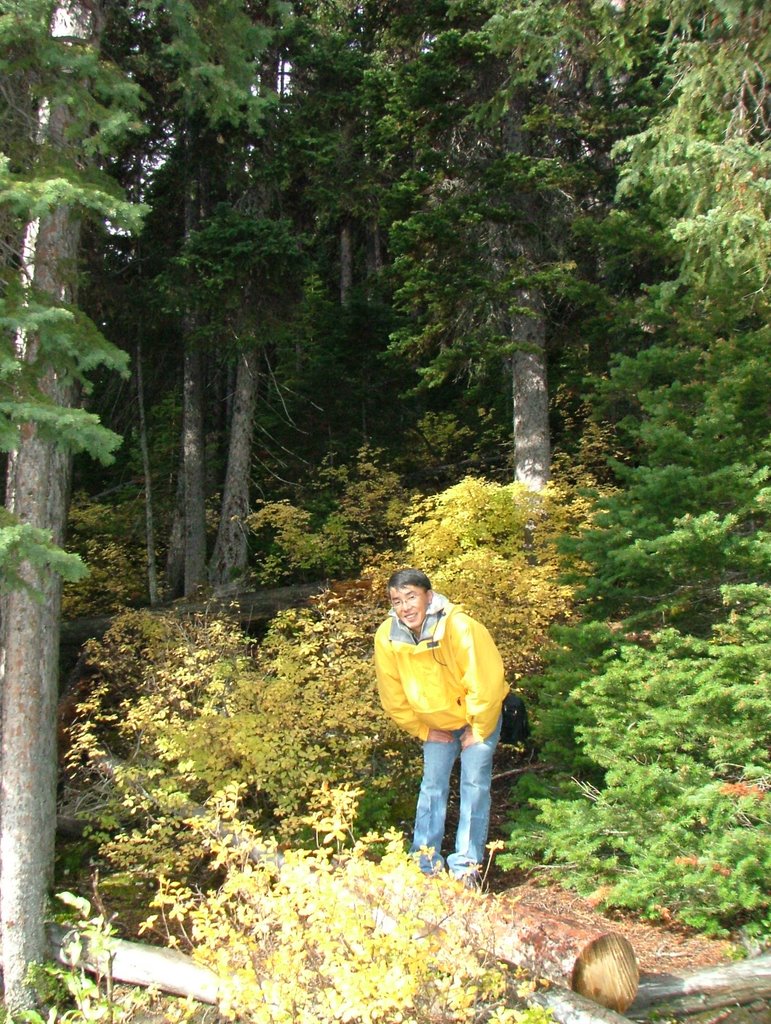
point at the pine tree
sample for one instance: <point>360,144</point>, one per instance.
<point>668,672</point>
<point>55,86</point>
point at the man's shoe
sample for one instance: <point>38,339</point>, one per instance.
<point>471,880</point>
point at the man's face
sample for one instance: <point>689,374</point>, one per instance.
<point>411,604</point>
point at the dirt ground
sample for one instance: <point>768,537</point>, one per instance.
<point>659,949</point>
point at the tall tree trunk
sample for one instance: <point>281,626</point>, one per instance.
<point>527,364</point>
<point>37,493</point>
<point>532,439</point>
<point>230,549</point>
<point>152,572</point>
<point>37,482</point>
<point>346,263</point>
<point>175,553</point>
<point>192,416</point>
<point>374,248</point>
<point>532,442</point>
<point>192,454</point>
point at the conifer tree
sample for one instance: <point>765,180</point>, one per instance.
<point>511,122</point>
<point>56,92</point>
<point>666,677</point>
<point>211,73</point>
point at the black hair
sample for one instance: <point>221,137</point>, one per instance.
<point>409,578</point>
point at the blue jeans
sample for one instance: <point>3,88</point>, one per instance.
<point>476,771</point>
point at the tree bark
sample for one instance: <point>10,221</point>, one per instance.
<point>152,572</point>
<point>735,984</point>
<point>568,1007</point>
<point>29,761</point>
<point>346,263</point>
<point>532,443</point>
<point>229,558</point>
<point>532,439</point>
<point>374,248</point>
<point>598,964</point>
<point>37,493</point>
<point>192,408</point>
<point>137,964</point>
<point>175,552</point>
<point>192,453</point>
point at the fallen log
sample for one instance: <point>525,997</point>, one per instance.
<point>257,605</point>
<point>247,606</point>
<point>599,964</point>
<point>135,963</point>
<point>568,1007</point>
<point>175,973</point>
<point>734,984</point>
<point>595,963</point>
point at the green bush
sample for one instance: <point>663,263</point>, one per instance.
<point>675,819</point>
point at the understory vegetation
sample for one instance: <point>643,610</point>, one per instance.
<point>655,797</point>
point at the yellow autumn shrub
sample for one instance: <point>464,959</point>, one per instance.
<point>337,933</point>
<point>351,510</point>
<point>181,706</point>
<point>106,538</point>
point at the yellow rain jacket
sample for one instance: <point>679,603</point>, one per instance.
<point>449,678</point>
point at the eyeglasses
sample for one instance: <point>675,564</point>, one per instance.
<point>406,600</point>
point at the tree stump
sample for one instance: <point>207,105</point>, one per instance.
<point>600,965</point>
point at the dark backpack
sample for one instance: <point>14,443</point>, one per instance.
<point>515,727</point>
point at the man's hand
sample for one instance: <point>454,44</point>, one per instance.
<point>439,736</point>
<point>467,738</point>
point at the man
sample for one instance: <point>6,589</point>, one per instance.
<point>440,677</point>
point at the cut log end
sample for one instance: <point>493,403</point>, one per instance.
<point>606,971</point>
<point>599,965</point>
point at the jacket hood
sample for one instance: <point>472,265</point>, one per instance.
<point>439,608</point>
